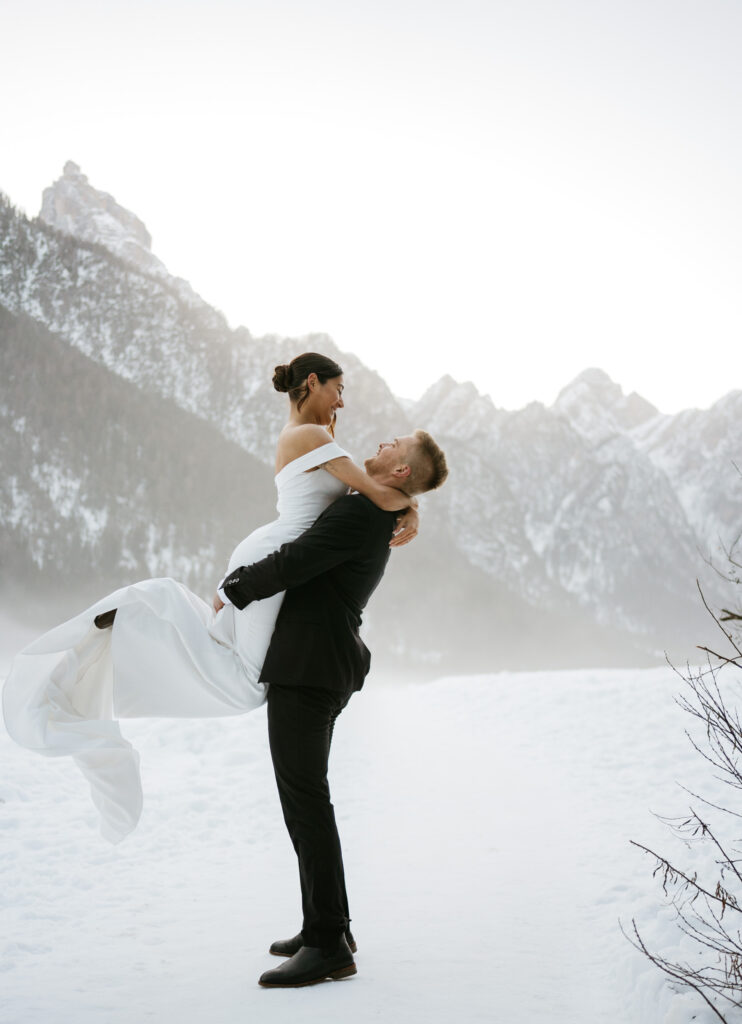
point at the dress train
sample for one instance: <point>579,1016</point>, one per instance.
<point>167,655</point>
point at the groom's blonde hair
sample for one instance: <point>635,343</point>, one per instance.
<point>427,462</point>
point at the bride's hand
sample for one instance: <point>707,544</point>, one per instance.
<point>217,603</point>
<point>406,528</point>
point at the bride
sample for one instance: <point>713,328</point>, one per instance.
<point>168,653</point>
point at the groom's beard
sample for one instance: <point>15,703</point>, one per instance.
<point>386,479</point>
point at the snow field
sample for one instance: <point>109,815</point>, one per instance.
<point>485,824</point>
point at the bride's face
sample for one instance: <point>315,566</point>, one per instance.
<point>327,398</point>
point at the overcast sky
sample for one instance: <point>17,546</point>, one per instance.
<point>505,191</point>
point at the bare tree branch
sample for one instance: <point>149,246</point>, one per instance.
<point>704,903</point>
<point>726,633</point>
<point>671,874</point>
<point>678,971</point>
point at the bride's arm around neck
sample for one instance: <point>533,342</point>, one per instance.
<point>388,498</point>
<point>297,441</point>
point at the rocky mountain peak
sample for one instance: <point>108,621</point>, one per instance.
<point>597,406</point>
<point>592,385</point>
<point>72,205</point>
<point>454,408</point>
<point>729,404</point>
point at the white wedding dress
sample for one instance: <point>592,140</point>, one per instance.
<point>167,655</point>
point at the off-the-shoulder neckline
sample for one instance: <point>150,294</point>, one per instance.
<point>328,444</point>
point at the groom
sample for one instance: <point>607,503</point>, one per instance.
<point>316,660</point>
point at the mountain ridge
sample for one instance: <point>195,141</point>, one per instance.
<point>583,517</point>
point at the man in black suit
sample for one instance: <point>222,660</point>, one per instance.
<point>316,660</point>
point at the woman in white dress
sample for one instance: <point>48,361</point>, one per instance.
<point>169,653</point>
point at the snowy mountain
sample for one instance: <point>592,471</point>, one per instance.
<point>138,326</point>
<point>73,206</point>
<point>92,485</point>
<point>597,407</point>
<point>137,433</point>
<point>700,451</point>
<point>583,499</point>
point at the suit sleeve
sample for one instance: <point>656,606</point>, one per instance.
<point>338,534</point>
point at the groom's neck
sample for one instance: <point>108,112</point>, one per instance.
<point>386,480</point>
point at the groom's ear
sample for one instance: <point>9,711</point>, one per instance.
<point>401,472</point>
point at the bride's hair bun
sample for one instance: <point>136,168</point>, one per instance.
<point>292,377</point>
<point>282,378</point>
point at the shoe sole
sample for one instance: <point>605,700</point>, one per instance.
<point>273,952</point>
<point>338,975</point>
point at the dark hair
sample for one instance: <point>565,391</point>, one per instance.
<point>427,461</point>
<point>292,377</point>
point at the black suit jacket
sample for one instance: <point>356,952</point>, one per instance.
<point>328,573</point>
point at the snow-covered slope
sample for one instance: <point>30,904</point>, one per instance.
<point>565,501</point>
<point>700,451</point>
<point>103,481</point>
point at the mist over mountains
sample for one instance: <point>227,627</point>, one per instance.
<point>137,432</point>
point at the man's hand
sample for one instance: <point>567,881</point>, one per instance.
<point>406,528</point>
<point>218,603</point>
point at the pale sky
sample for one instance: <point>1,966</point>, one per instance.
<point>508,192</point>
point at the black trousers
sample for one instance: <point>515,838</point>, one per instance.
<point>300,725</point>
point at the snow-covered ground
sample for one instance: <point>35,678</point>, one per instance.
<point>485,823</point>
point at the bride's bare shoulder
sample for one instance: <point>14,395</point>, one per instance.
<point>295,441</point>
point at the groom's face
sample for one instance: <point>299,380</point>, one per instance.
<point>390,464</point>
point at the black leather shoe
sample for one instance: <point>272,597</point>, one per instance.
<point>287,947</point>
<point>309,966</point>
<point>105,619</point>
